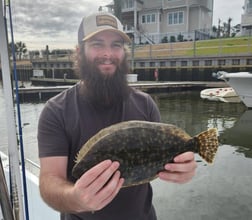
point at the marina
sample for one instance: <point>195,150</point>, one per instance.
<point>173,73</point>
<point>44,92</point>
<point>220,191</point>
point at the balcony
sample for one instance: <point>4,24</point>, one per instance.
<point>246,20</point>
<point>128,28</point>
<point>184,3</point>
<point>127,9</point>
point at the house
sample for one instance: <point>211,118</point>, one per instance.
<point>149,21</point>
<point>246,19</point>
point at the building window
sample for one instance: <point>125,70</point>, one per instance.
<point>221,62</point>
<point>249,61</point>
<point>195,63</point>
<point>162,63</point>
<point>142,64</point>
<point>181,17</point>
<point>176,17</point>
<point>170,18</point>
<point>148,18</point>
<point>152,64</point>
<point>128,4</point>
<point>184,63</point>
<point>235,62</point>
<point>173,63</point>
<point>208,62</point>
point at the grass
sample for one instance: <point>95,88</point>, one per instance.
<point>222,46</point>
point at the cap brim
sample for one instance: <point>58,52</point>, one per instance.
<point>124,36</point>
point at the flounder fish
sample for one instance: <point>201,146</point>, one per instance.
<point>142,148</point>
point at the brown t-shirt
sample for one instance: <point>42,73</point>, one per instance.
<point>68,120</point>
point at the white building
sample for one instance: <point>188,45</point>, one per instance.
<point>246,19</point>
<point>155,20</point>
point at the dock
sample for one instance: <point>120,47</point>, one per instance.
<point>41,93</point>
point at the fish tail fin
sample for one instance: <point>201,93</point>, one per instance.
<point>207,143</point>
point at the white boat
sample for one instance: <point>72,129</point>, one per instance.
<point>226,94</point>
<point>25,200</point>
<point>37,207</point>
<point>241,82</point>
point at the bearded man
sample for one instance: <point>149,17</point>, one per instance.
<point>68,120</point>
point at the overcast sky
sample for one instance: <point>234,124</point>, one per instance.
<point>55,22</point>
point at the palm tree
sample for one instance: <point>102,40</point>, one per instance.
<point>214,30</point>
<point>229,27</point>
<point>219,28</point>
<point>20,49</point>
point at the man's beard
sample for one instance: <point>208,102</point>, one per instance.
<point>104,90</point>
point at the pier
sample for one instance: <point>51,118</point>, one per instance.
<point>42,93</point>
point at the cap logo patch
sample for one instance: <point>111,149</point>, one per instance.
<point>102,20</point>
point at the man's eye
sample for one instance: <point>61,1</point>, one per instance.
<point>96,44</point>
<point>118,45</point>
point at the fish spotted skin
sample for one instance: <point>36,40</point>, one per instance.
<point>142,148</point>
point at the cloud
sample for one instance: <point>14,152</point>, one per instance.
<point>55,23</point>
<point>228,9</point>
<point>38,23</point>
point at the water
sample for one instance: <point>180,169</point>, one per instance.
<point>219,191</point>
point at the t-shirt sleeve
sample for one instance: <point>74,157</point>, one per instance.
<point>51,136</point>
<point>153,110</point>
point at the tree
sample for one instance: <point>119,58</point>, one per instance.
<point>214,30</point>
<point>20,49</point>
<point>172,39</point>
<point>180,37</point>
<point>219,28</point>
<point>229,27</point>
<point>164,40</point>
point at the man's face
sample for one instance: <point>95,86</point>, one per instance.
<point>106,51</point>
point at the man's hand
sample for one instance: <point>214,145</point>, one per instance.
<point>97,187</point>
<point>181,171</point>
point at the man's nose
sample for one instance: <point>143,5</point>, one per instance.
<point>107,51</point>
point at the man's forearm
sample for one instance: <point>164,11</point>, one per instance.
<point>56,192</point>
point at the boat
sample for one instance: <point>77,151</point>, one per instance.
<point>38,209</point>
<point>241,82</point>
<point>22,192</point>
<point>226,94</point>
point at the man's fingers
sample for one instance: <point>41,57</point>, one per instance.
<point>103,178</point>
<point>91,175</point>
<point>184,157</point>
<point>110,190</point>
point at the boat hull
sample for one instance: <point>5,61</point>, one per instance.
<point>226,94</point>
<point>241,82</point>
<point>38,209</point>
